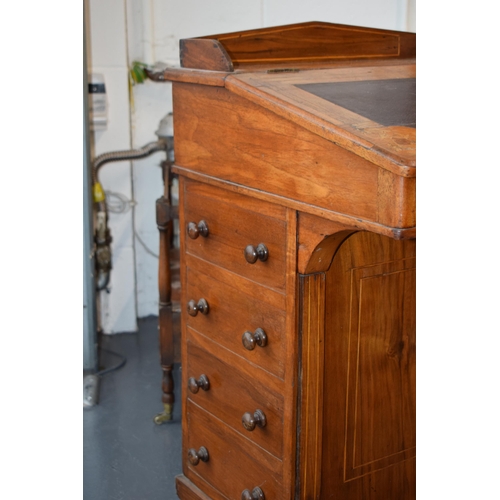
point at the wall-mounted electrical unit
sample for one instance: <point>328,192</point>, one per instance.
<point>98,105</point>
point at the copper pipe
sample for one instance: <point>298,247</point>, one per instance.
<point>102,235</point>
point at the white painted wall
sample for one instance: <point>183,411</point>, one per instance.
<point>108,55</point>
<point>122,31</point>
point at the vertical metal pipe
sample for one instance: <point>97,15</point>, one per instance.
<point>89,300</point>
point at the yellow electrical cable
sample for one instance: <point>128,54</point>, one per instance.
<point>98,193</point>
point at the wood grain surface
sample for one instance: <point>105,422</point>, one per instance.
<point>232,312</point>
<point>369,412</point>
<point>390,147</point>
<point>327,215</point>
<point>267,154</point>
<point>204,54</point>
<point>311,400</point>
<point>235,463</point>
<point>275,155</point>
<point>231,394</point>
<point>188,491</point>
<point>311,41</point>
<point>235,222</point>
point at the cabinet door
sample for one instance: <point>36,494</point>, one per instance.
<point>367,433</point>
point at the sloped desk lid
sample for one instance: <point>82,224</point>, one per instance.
<point>369,110</point>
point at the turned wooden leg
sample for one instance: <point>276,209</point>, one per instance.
<point>165,225</point>
<point>167,363</point>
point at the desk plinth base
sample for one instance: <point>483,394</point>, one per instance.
<point>186,490</point>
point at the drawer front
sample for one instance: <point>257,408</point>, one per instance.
<point>233,313</point>
<point>230,394</point>
<point>235,222</point>
<point>234,463</point>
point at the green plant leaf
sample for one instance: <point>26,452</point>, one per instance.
<point>137,73</point>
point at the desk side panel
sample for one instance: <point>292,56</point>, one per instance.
<point>368,432</point>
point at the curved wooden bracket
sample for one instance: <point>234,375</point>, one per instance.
<point>324,252</point>
<point>318,241</point>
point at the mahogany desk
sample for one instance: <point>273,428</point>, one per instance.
<point>295,148</point>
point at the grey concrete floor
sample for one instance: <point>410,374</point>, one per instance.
<point>126,456</point>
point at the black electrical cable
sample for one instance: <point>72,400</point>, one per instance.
<point>113,368</point>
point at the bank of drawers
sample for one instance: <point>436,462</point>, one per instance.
<point>234,329</point>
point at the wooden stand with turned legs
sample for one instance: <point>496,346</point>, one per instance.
<point>165,214</point>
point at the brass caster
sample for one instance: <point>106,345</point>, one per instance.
<point>165,416</point>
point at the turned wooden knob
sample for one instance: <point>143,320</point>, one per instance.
<point>195,385</point>
<point>250,340</point>
<point>194,230</point>
<point>250,421</point>
<point>256,494</point>
<point>253,253</point>
<point>201,306</point>
<point>194,456</point>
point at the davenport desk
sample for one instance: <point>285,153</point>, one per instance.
<point>295,150</point>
